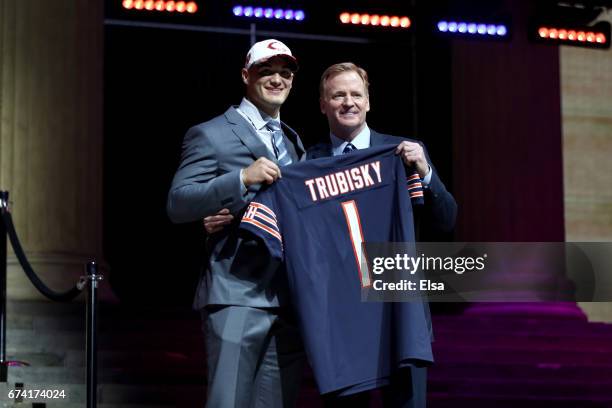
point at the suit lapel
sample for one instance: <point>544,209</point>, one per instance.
<point>293,144</point>
<point>320,150</point>
<point>245,132</point>
<point>376,139</point>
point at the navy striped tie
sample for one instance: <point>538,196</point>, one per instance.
<point>348,148</point>
<point>278,144</point>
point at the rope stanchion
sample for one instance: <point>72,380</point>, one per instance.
<point>92,333</point>
<point>25,264</point>
<point>91,280</point>
<point>3,255</point>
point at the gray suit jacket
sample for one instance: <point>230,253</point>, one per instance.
<point>238,271</point>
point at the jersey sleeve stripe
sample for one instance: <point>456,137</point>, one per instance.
<point>415,185</point>
<point>266,219</point>
<point>264,227</point>
<point>264,208</point>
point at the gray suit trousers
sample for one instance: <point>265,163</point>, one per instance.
<point>255,357</point>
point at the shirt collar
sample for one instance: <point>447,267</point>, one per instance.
<point>258,118</point>
<point>361,141</point>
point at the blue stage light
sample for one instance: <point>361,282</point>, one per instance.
<point>467,28</point>
<point>268,13</point>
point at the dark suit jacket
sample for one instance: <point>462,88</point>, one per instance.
<point>440,210</point>
<point>238,270</point>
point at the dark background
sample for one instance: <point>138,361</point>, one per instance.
<point>160,81</point>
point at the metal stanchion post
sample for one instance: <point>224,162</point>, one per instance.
<point>4,195</point>
<point>92,333</point>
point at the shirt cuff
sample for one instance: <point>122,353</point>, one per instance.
<point>243,188</point>
<point>427,178</point>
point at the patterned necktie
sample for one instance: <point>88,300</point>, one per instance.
<point>348,148</point>
<point>278,144</point>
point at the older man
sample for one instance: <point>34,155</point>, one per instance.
<point>254,352</point>
<point>344,100</point>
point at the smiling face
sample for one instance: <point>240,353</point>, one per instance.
<point>345,102</point>
<point>268,84</point>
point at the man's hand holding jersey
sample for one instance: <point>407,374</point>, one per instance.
<point>413,155</point>
<point>266,171</point>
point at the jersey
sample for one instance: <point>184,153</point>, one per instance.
<point>315,219</point>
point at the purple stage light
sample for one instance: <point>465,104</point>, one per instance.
<point>268,13</point>
<point>462,27</point>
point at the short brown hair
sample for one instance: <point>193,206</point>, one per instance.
<point>340,68</point>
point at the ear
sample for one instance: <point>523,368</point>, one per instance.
<point>322,105</point>
<point>245,76</point>
<point>367,103</point>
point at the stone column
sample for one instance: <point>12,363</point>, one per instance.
<point>586,86</point>
<point>51,61</point>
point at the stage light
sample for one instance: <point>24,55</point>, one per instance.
<point>171,6</point>
<point>597,36</point>
<point>268,13</point>
<point>366,19</point>
<point>470,28</point>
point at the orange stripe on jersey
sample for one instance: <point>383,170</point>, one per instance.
<point>416,194</point>
<point>264,227</point>
<point>415,185</point>
<point>414,177</point>
<point>264,208</point>
<point>265,218</point>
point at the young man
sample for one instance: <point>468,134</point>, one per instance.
<point>254,352</point>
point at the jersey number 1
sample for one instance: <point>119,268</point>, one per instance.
<point>356,234</point>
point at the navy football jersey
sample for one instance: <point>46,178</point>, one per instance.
<point>315,219</point>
